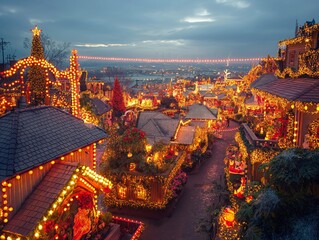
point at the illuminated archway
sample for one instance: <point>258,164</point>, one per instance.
<point>73,74</point>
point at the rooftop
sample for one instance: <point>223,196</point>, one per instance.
<point>292,89</point>
<point>33,136</point>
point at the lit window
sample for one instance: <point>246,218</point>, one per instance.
<point>140,192</point>
<point>122,190</point>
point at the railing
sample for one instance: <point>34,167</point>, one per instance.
<point>258,142</point>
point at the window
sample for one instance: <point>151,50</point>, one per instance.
<point>122,192</point>
<point>140,192</point>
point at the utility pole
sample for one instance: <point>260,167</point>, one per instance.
<point>3,44</point>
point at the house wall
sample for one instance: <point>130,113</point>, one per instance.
<point>306,119</point>
<point>23,185</point>
<point>292,54</point>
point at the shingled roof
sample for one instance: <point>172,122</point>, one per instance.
<point>201,112</point>
<point>38,203</point>
<point>99,107</point>
<point>157,126</point>
<point>292,89</point>
<point>186,135</point>
<point>33,136</point>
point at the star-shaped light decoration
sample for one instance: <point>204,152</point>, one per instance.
<point>36,31</point>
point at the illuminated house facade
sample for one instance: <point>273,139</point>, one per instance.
<point>47,163</point>
<point>300,52</point>
<point>289,102</point>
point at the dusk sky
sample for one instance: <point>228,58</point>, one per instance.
<point>158,29</point>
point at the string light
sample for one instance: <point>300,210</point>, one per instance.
<point>73,74</point>
<point>162,60</point>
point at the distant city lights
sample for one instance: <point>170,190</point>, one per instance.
<point>163,60</point>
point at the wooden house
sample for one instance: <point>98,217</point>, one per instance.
<point>47,161</point>
<point>147,189</point>
<point>103,111</point>
<point>297,101</point>
<point>306,39</point>
<point>202,116</point>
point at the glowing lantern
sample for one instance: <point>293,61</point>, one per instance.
<point>129,155</point>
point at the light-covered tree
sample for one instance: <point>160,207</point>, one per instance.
<point>117,100</point>
<point>55,52</point>
<point>36,74</point>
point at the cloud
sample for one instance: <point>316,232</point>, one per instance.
<point>103,45</point>
<point>34,21</point>
<point>198,20</point>
<point>201,16</point>
<point>234,3</point>
<point>203,13</point>
<point>168,42</point>
<point>7,10</point>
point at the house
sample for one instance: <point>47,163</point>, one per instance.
<point>149,185</point>
<point>47,164</point>
<point>157,126</point>
<point>200,115</point>
<point>298,56</point>
<point>103,111</point>
<point>297,97</point>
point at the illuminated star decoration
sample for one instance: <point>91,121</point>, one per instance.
<point>36,31</point>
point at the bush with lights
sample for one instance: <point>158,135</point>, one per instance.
<point>137,168</point>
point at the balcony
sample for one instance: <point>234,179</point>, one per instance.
<point>258,142</point>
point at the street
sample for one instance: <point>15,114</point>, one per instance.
<point>191,218</point>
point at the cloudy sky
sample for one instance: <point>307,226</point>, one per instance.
<point>158,28</point>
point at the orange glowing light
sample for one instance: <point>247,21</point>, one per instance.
<point>36,31</point>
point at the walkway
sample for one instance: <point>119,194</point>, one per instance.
<point>202,191</point>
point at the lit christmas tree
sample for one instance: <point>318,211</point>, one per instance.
<point>117,100</point>
<point>36,74</point>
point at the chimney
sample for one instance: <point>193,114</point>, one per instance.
<point>22,103</point>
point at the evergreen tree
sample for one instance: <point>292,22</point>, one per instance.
<point>117,100</point>
<point>36,74</point>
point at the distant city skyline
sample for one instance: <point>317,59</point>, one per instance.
<point>168,29</point>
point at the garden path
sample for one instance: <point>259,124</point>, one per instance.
<point>204,190</point>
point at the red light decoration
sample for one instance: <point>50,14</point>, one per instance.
<point>138,231</point>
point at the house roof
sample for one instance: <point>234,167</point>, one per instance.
<point>292,89</point>
<point>185,135</point>
<point>221,96</point>
<point>201,124</point>
<point>199,111</point>
<point>145,116</point>
<point>40,200</point>
<point>234,87</point>
<point>210,95</point>
<point>157,126</point>
<point>33,136</point>
<point>99,107</point>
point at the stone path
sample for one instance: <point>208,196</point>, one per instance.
<point>191,218</point>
